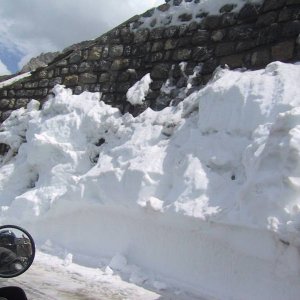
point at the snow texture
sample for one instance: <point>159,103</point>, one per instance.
<point>14,79</point>
<point>138,92</point>
<point>211,202</point>
<point>204,7</point>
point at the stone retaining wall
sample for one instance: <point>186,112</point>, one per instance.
<point>111,64</point>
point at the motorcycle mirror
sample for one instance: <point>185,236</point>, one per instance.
<point>17,251</point>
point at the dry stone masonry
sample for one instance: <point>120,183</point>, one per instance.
<point>179,51</point>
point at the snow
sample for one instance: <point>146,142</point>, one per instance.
<point>171,16</point>
<point>14,79</point>
<point>197,197</point>
<point>138,92</point>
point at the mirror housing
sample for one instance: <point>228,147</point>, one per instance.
<point>17,251</point>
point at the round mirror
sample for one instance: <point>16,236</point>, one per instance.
<point>17,251</point>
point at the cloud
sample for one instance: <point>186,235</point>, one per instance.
<point>37,26</point>
<point>3,69</point>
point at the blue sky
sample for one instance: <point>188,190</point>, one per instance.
<point>30,27</point>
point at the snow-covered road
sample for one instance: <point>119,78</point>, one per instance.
<point>48,279</point>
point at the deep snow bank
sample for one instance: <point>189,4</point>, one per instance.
<point>205,194</point>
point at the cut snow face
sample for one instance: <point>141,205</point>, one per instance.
<point>219,171</point>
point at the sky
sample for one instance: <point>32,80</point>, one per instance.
<point>30,27</point>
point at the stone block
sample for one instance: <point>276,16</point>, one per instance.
<point>292,2</point>
<point>160,71</point>
<point>157,46</point>
<point>248,12</point>
<point>153,22</point>
<point>104,77</point>
<point>291,29</point>
<point>45,92</point>
<point>31,85</point>
<point>193,26</point>
<point>3,93</point>
<point>273,4</point>
<point>182,29</point>
<point>50,73</point>
<point>209,66</point>
<point>171,44</point>
<point>116,51</point>
<point>185,17</point>
<point>95,53</point>
<point>84,67</point>
<point>5,103</point>
<point>78,90</point>
<point>11,94</point>
<point>127,50</point>
<point>120,64</point>
<point>177,2</point>
<point>283,51</point>
<point>126,35</point>
<point>71,80</point>
<point>64,71</point>
<point>228,19</point>
<point>227,8</point>
<point>87,78</point>
<point>241,32</point>
<point>105,52</point>
<point>75,57</point>
<point>55,81</point>
<point>17,85</point>
<point>285,14</point>
<point>218,35</point>
<point>164,7</point>
<point>211,22</point>
<point>182,54</point>
<point>73,69</point>
<point>233,61</point>
<point>123,87</point>
<point>42,74</point>
<point>44,83</point>
<point>267,19</point>
<point>29,93</point>
<point>245,45</point>
<point>201,54</point>
<point>5,115</point>
<point>223,49</point>
<point>141,35</point>
<point>158,56</point>
<point>184,41</point>
<point>62,63</point>
<point>156,85</point>
<point>22,102</point>
<point>200,37</point>
<point>157,33</point>
<point>269,34</point>
<point>260,58</point>
<point>149,13</point>
<point>171,32</point>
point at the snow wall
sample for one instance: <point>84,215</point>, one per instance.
<point>204,196</point>
<point>209,33</point>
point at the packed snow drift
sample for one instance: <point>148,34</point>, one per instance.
<point>203,196</point>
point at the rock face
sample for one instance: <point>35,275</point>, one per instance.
<point>184,51</point>
<point>39,62</point>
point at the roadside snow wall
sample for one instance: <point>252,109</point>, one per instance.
<point>204,196</point>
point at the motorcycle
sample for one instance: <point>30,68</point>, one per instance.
<point>17,252</point>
